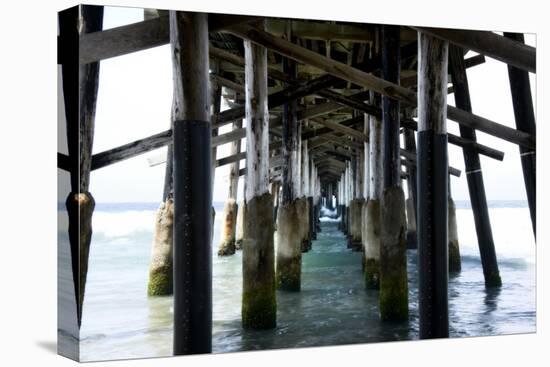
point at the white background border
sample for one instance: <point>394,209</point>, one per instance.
<point>28,113</point>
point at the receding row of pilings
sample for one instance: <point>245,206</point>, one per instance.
<point>365,185</point>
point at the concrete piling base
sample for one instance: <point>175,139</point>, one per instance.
<point>354,239</point>
<point>393,258</point>
<point>372,244</point>
<point>289,246</point>
<point>241,213</point>
<point>160,269</point>
<point>229,226</point>
<point>411,224</point>
<point>454,250</point>
<point>259,304</point>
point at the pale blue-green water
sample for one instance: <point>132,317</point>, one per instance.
<point>120,321</point>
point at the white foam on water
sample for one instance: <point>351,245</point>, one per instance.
<point>329,219</point>
<point>512,233</point>
<point>325,212</point>
<point>124,223</point>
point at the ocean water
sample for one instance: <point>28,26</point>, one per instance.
<point>120,321</point>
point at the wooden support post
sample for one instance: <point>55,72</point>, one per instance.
<point>259,305</point>
<point>393,257</point>
<point>474,174</point>
<point>412,200</point>
<point>290,215</point>
<point>372,240</point>
<point>455,264</point>
<point>306,242</point>
<point>356,204</point>
<point>366,183</point>
<point>432,168</point>
<point>349,195</point>
<point>192,185</point>
<point>310,198</point>
<point>80,85</point>
<point>227,244</point>
<point>525,121</point>
<point>215,105</point>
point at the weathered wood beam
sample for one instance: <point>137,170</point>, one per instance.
<point>474,174</point>
<point>468,63</point>
<point>131,150</point>
<point>140,36</point>
<point>159,140</point>
<point>462,142</point>
<point>227,83</point>
<point>276,99</point>
<point>341,128</point>
<point>490,44</point>
<point>320,30</point>
<point>524,114</point>
<point>352,102</point>
<point>379,85</point>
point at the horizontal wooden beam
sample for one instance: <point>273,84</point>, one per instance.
<point>461,142</point>
<point>376,84</point>
<point>411,160</point>
<point>470,62</point>
<point>342,129</point>
<point>490,44</point>
<point>140,36</point>
<point>320,31</point>
<point>276,99</point>
<point>130,150</point>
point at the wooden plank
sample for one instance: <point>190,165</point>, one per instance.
<point>379,85</point>
<point>490,44</point>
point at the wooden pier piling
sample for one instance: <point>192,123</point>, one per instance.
<point>80,86</point>
<point>525,121</point>
<point>290,220</point>
<point>432,187</point>
<point>230,212</point>
<point>474,174</point>
<point>412,200</point>
<point>455,263</point>
<point>394,299</point>
<point>192,184</point>
<point>372,215</point>
<point>259,305</point>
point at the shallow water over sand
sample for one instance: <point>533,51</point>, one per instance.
<point>333,307</point>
